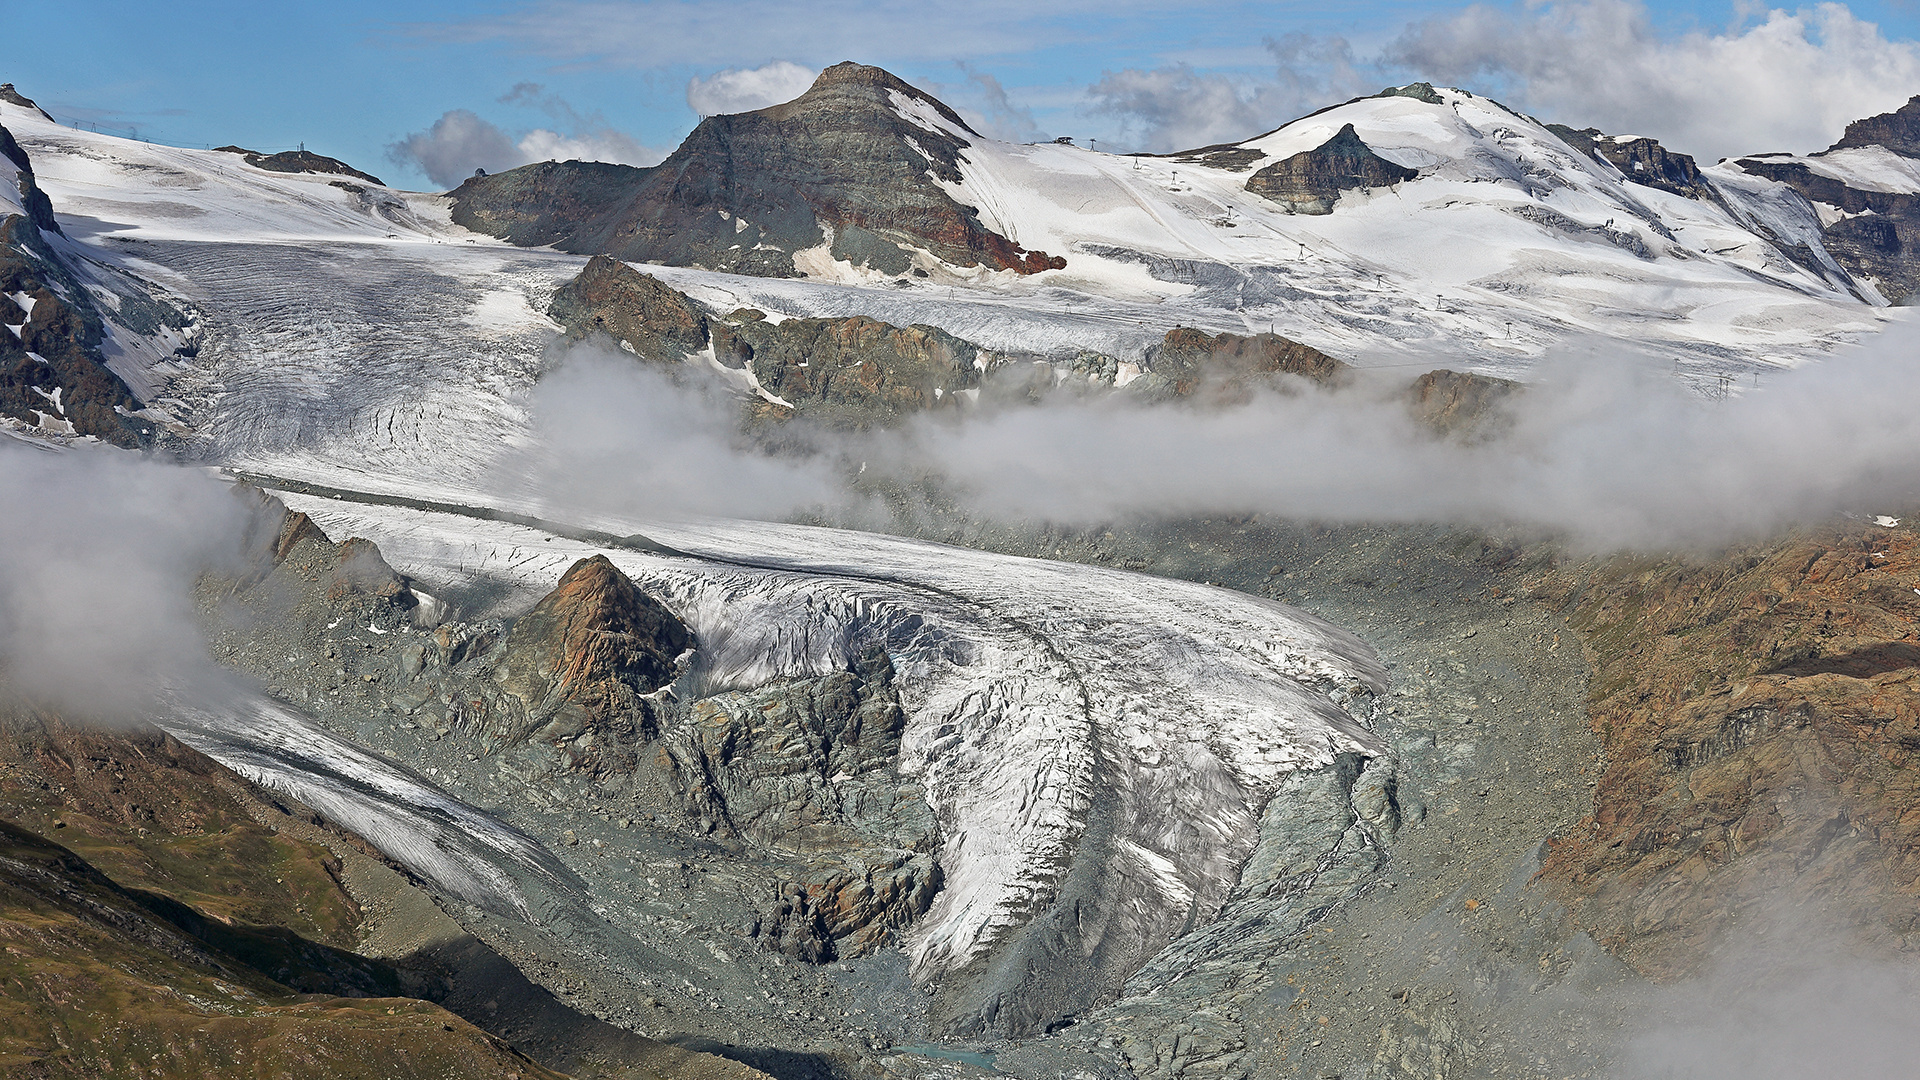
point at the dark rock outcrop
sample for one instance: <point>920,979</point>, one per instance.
<point>1311,181</point>
<point>1225,368</point>
<point>657,322</point>
<point>843,165</point>
<point>851,373</point>
<point>300,161</point>
<point>1898,131</point>
<point>582,660</point>
<point>14,97</point>
<point>1641,160</point>
<point>1230,157</point>
<point>39,207</point>
<point>53,375</point>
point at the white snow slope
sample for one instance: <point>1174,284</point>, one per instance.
<point>1508,241</point>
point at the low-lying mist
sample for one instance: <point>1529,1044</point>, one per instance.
<point>1789,1000</point>
<point>99,550</point>
<point>616,435</point>
<point>1606,449</point>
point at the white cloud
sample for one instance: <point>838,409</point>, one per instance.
<point>457,143</point>
<point>98,554</point>
<point>543,145</point>
<point>462,141</point>
<point>738,90</point>
<point>1779,81</point>
<point>1179,107</point>
<point>990,110</point>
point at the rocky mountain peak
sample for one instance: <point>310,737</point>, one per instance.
<point>14,97</point>
<point>583,656</point>
<point>848,82</point>
<point>1898,131</point>
<point>848,172</point>
<point>1311,181</point>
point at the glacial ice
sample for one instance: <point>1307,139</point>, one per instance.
<point>463,852</point>
<point>1017,675</point>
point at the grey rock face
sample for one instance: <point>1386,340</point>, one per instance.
<point>1641,160</point>
<point>1311,181</point>
<point>806,768</point>
<point>1875,232</point>
<point>854,372</point>
<point>855,163</point>
<point>859,372</point>
<point>1874,240</point>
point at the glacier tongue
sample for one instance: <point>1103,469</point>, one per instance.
<point>461,851</point>
<point>1037,694</point>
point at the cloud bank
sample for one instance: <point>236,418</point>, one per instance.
<point>461,141</point>
<point>1178,107</point>
<point>1780,81</point>
<point>1605,449</point>
<point>620,436</point>
<point>98,554</point>
<point>738,90</point>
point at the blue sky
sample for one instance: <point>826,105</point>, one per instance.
<point>571,77</point>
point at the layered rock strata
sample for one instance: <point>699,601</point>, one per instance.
<point>852,168</point>
<point>1640,159</point>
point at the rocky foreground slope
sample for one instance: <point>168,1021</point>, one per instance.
<point>1758,723</point>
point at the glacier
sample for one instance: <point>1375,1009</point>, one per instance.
<point>1063,719</point>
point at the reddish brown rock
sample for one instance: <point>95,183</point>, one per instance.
<point>1761,723</point>
<point>655,321</point>
<point>359,569</point>
<point>582,659</point>
<point>1461,403</point>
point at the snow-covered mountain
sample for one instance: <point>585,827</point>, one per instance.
<point>1504,239</point>
<point>1098,746</point>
